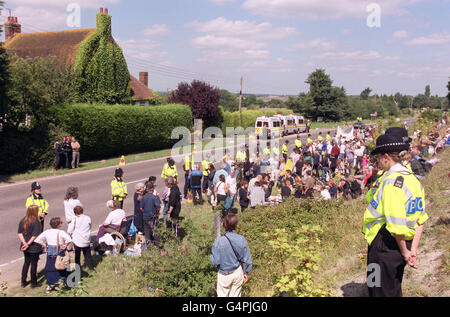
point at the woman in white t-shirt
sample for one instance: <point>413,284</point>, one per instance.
<point>80,229</point>
<point>70,202</point>
<point>56,241</point>
<point>221,189</point>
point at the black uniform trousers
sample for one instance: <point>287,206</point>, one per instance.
<point>385,252</point>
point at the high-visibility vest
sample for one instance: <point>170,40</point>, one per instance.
<point>298,143</point>
<point>205,165</point>
<point>408,166</point>
<point>189,162</point>
<point>118,189</point>
<point>276,151</point>
<point>288,167</point>
<point>320,138</point>
<point>241,156</point>
<point>309,141</point>
<point>284,149</point>
<point>40,202</point>
<point>267,151</point>
<point>328,137</point>
<point>398,203</point>
<point>169,171</point>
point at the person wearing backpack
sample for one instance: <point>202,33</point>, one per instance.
<point>231,255</point>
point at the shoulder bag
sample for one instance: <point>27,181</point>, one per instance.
<point>61,261</point>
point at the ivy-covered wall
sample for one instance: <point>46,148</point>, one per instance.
<point>100,67</point>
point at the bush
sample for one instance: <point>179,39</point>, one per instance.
<point>104,131</point>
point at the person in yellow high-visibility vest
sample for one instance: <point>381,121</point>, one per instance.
<point>118,187</point>
<point>309,141</point>
<point>170,170</point>
<point>241,155</point>
<point>188,166</point>
<point>320,138</point>
<point>393,220</point>
<point>205,167</point>
<point>284,150</point>
<point>298,142</point>
<point>276,151</point>
<point>267,150</point>
<point>328,137</point>
<point>37,199</point>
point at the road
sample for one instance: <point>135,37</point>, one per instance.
<point>94,191</point>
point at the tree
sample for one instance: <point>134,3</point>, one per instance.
<point>250,101</point>
<point>448,95</point>
<point>201,97</point>
<point>427,91</point>
<point>402,101</point>
<point>329,101</point>
<point>302,105</point>
<point>36,85</point>
<point>228,100</point>
<point>420,101</point>
<point>365,93</point>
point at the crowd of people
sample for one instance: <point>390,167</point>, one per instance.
<point>326,168</point>
<point>67,153</point>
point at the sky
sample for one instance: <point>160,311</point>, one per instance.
<point>388,45</point>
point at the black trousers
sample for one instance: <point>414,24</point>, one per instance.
<point>186,185</point>
<point>31,260</point>
<point>195,192</point>
<point>384,254</point>
<point>150,233</point>
<point>205,183</point>
<point>57,162</point>
<point>87,256</point>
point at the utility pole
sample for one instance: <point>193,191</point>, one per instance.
<point>240,103</point>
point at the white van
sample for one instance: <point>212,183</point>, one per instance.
<point>288,123</point>
<point>300,124</point>
<point>270,126</point>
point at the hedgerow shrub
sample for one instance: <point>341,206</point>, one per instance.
<point>104,131</point>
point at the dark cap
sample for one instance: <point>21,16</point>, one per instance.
<point>149,187</point>
<point>388,143</point>
<point>399,132</point>
<point>118,171</point>
<point>35,185</point>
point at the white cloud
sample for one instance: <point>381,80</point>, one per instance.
<point>140,51</point>
<point>156,30</point>
<point>323,9</point>
<point>355,55</point>
<point>315,44</point>
<point>400,34</point>
<point>222,2</point>
<point>432,39</point>
<point>223,27</point>
<point>225,39</point>
<point>50,15</point>
<point>222,42</point>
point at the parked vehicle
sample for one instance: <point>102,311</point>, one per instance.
<point>268,126</point>
<point>300,124</point>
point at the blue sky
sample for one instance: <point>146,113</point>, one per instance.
<point>273,44</point>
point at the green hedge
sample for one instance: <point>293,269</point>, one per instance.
<point>105,131</point>
<point>232,119</point>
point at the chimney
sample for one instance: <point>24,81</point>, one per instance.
<point>143,78</point>
<point>106,10</point>
<point>101,10</point>
<point>12,27</point>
